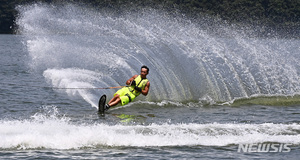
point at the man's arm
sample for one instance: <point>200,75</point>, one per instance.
<point>131,79</point>
<point>145,91</point>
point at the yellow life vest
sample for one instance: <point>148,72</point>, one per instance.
<point>141,83</point>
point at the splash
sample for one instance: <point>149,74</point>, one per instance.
<point>74,46</point>
<point>49,129</point>
<point>61,134</point>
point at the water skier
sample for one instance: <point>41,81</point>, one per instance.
<point>137,84</point>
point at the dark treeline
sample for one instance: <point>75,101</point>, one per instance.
<point>276,14</point>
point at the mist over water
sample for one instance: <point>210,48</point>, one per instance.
<point>76,47</point>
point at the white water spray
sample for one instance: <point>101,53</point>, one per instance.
<point>77,47</point>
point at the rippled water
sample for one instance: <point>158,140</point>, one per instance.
<point>208,95</point>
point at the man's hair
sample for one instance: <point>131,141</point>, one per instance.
<point>145,68</point>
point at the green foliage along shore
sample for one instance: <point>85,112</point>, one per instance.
<point>280,15</point>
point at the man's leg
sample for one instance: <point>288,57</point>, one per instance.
<point>117,98</point>
<point>114,98</point>
<point>114,101</point>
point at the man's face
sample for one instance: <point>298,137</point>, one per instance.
<point>144,72</point>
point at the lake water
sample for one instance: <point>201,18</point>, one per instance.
<point>210,98</point>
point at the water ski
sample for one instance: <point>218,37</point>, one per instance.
<point>101,104</point>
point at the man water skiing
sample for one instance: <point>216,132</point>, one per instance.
<point>137,84</point>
